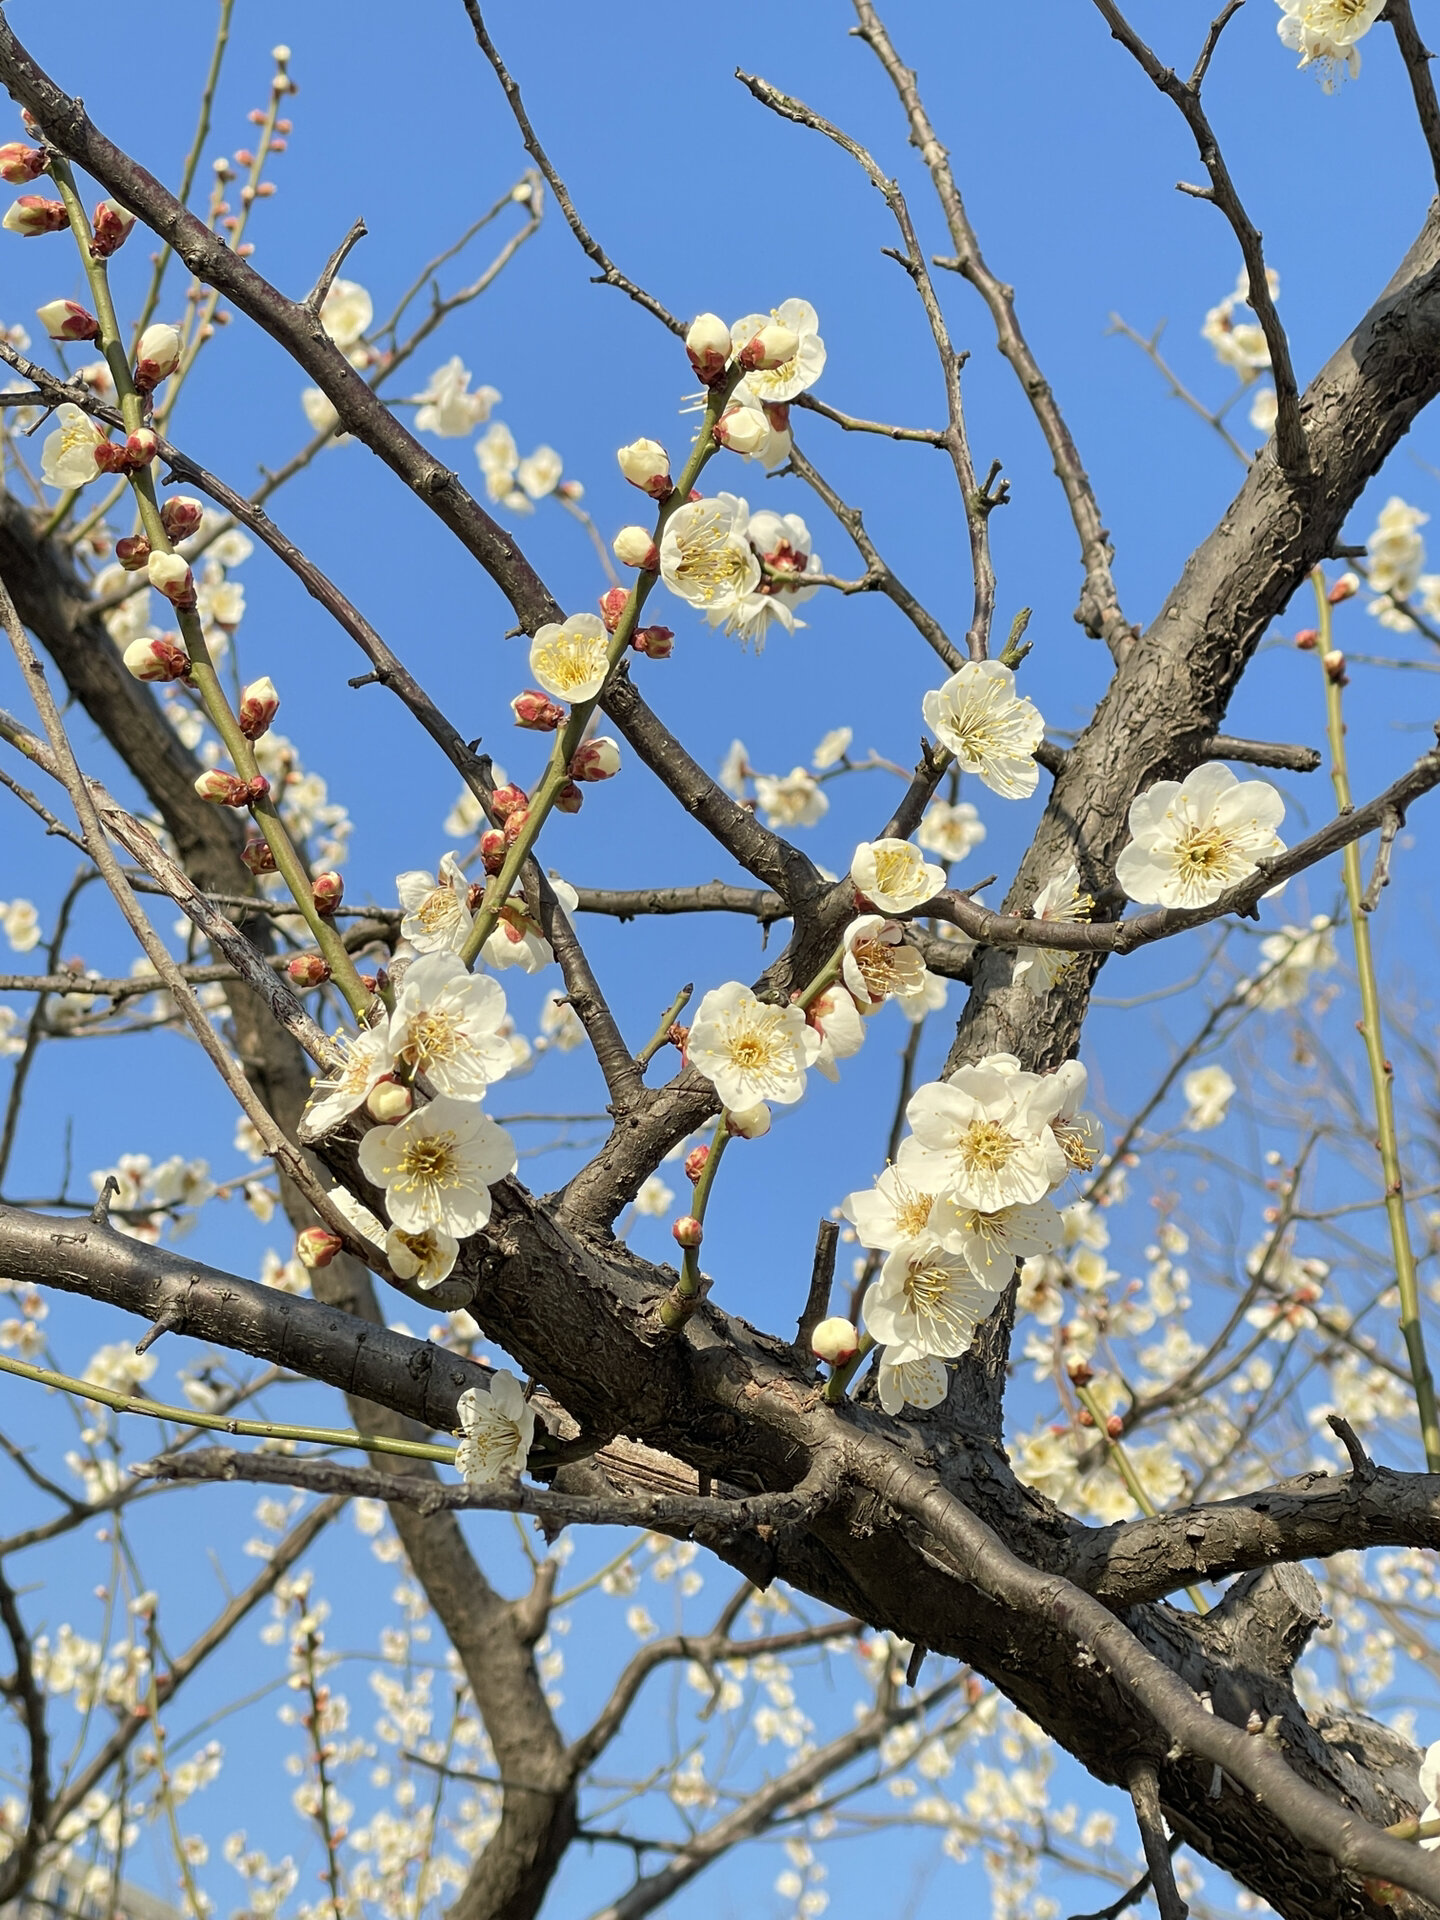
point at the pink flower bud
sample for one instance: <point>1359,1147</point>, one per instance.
<point>307,970</point>
<point>835,1340</point>
<point>181,516</point>
<point>1347,585</point>
<point>259,704</point>
<point>505,800</point>
<point>772,346</point>
<point>645,464</point>
<point>225,789</point>
<point>158,659</point>
<point>537,711</point>
<point>157,356</point>
<point>688,1231</point>
<point>327,890</point>
<point>1334,665</point>
<point>389,1101</point>
<point>111,223</point>
<point>777,412</point>
<point>111,456</point>
<point>515,824</point>
<point>1306,638</point>
<point>748,1123</point>
<point>612,607</point>
<point>742,429</point>
<point>569,799</point>
<point>695,1163</point>
<point>492,849</point>
<point>32,214</point>
<point>141,448</point>
<point>19,164</point>
<point>133,552</point>
<point>257,788</point>
<point>170,574</point>
<point>67,320</point>
<point>634,547</point>
<point>708,345</point>
<point>597,759</point>
<point>657,642</point>
<point>257,855</point>
<point>317,1246</point>
<point>1114,1426</point>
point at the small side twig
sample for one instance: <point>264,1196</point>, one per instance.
<point>1144,1788</point>
<point>662,1033</point>
<point>315,299</point>
<point>822,1278</point>
<point>1380,875</point>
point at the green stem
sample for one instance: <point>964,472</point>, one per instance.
<point>162,1774</point>
<point>837,1387</point>
<point>1381,1073</point>
<point>679,1303</point>
<point>1126,1467</point>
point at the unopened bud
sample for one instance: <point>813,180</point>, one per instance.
<point>742,430</point>
<point>515,824</point>
<point>157,356</point>
<point>317,1246</point>
<point>181,516</point>
<point>645,464</point>
<point>1306,639</point>
<point>307,970</point>
<point>688,1231</point>
<point>170,574</point>
<point>259,704</point>
<point>19,164</point>
<point>505,800</point>
<point>225,789</point>
<point>257,855</point>
<point>257,788</point>
<point>133,552</point>
<point>1344,588</point>
<point>1114,1426</point>
<point>679,1036</point>
<point>156,659</point>
<point>537,711</point>
<point>695,1163</point>
<point>32,214</point>
<point>708,345</point>
<point>492,849</point>
<point>111,223</point>
<point>389,1101</point>
<point>635,547</point>
<point>67,320</point>
<point>569,798</point>
<point>327,890</point>
<point>1085,1418</point>
<point>112,456</point>
<point>141,448</point>
<point>777,412</point>
<point>772,346</point>
<point>1080,1375</point>
<point>748,1123</point>
<point>657,642</point>
<point>597,759</point>
<point>612,607</point>
<point>1334,665</point>
<point>835,1340</point>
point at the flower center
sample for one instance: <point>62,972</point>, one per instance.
<point>430,1160</point>
<point>912,1211</point>
<point>438,910</point>
<point>1075,1146</point>
<point>712,563</point>
<point>879,967</point>
<point>433,1037</point>
<point>570,661</point>
<point>1202,852</point>
<point>986,1146</point>
<point>751,1050</point>
<point>892,871</point>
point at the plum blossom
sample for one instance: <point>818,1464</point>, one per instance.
<point>782,543</point>
<point>804,367</point>
<point>1396,550</point>
<point>928,1299</point>
<point>518,940</point>
<point>1264,411</point>
<point>1078,1134</point>
<point>560,1026</point>
<point>906,1377</point>
<point>67,459</point>
<point>437,914</point>
<point>448,408</point>
<point>499,458</point>
<point>438,1165</point>
<point>570,659</point>
<point>1208,1092</point>
<point>1430,1787</point>
<point>346,312</point>
<point>833,748</point>
<point>900,1204</point>
<point>993,1242</point>
<point>1059,899</point>
<point>1194,839</point>
<point>705,557</point>
<point>835,1017</point>
<point>950,831</point>
<point>877,962</point>
<point>366,1061</point>
<point>795,799</point>
<point>1241,345</point>
<point>749,1051</point>
<point>319,410</point>
<point>446,1027</point>
<point>893,876</point>
<point>1292,959</point>
<point>426,1258</point>
<point>929,997</point>
<point>499,1429</point>
<point>991,730</point>
<point>20,924</point>
<point>654,1199</point>
<point>539,472</point>
<point>1324,33</point>
<point>987,1127</point>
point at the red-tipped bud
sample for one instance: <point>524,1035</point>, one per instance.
<point>19,164</point>
<point>1085,1418</point>
<point>111,223</point>
<point>1306,639</point>
<point>569,799</point>
<point>492,849</point>
<point>634,547</point>
<point>257,855</point>
<point>695,1163</point>
<point>388,1101</point>
<point>742,430</point>
<point>112,456</point>
<point>181,516</point>
<point>133,552</point>
<point>658,643</point>
<point>317,1246</point>
<point>1334,665</point>
<point>257,788</point>
<point>597,759</point>
<point>748,1123</point>
<point>67,320</point>
<point>505,800</point>
<point>157,659</point>
<point>772,346</point>
<point>32,214</point>
<point>708,346</point>
<point>1080,1374</point>
<point>327,890</point>
<point>645,464</point>
<point>259,704</point>
<point>307,970</point>
<point>537,711</point>
<point>1114,1426</point>
<point>1344,588</point>
<point>612,607</point>
<point>141,448</point>
<point>679,1037</point>
<point>835,1341</point>
<point>515,825</point>
<point>688,1231</point>
<point>777,412</point>
<point>170,574</point>
<point>225,789</point>
<point>157,356</point>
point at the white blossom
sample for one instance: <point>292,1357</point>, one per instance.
<point>1038,968</point>
<point>899,1206</point>
<point>367,1059</point>
<point>539,472</point>
<point>1396,550</point>
<point>1208,1092</point>
<point>906,1377</point>
<point>1194,839</point>
<point>893,876</point>
<point>988,1128</point>
<point>319,411</point>
<point>749,1051</point>
<point>796,800</point>
<point>950,831</point>
<point>448,408</point>
<point>346,312</point>
<point>835,1017</point>
<point>426,1258</point>
<point>801,370</point>
<point>438,1165</point>
<point>877,961</point>
<point>993,1242</point>
<point>1292,959</point>
<point>21,924</point>
<point>437,914</point>
<point>570,659</point>
<point>1264,410</point>
<point>446,1026</point>
<point>782,542</point>
<point>654,1199</point>
<point>705,557</point>
<point>833,747</point>
<point>1240,345</point>
<point>991,730</point>
<point>1324,33</point>
<point>67,458</point>
<point>735,769</point>
<point>560,1025</point>
<point>499,1430</point>
<point>499,457</point>
<point>928,1299</point>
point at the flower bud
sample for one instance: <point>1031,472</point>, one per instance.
<point>157,357</point>
<point>257,788</point>
<point>569,798</point>
<point>170,574</point>
<point>1306,639</point>
<point>133,552</point>
<point>777,412</point>
<point>1347,585</point>
<point>317,1246</point>
<point>695,1163</point>
<point>389,1101</point>
<point>597,759</point>
<point>111,225</point>
<point>678,1035</point>
<point>505,800</point>
<point>537,711</point>
<point>1084,1418</point>
<point>32,214</point>
<point>492,849</point>
<point>112,456</point>
<point>19,164</point>
<point>259,704</point>
<point>515,824</point>
<point>612,607</point>
<point>225,789</point>
<point>307,970</point>
<point>158,659</point>
<point>708,345</point>
<point>772,346</point>
<point>257,855</point>
<point>1334,665</point>
<point>635,547</point>
<point>742,429</point>
<point>748,1123</point>
<point>327,890</point>
<point>645,464</point>
<point>181,516</point>
<point>835,1340</point>
<point>67,320</point>
<point>688,1231</point>
<point>140,448</point>
<point>1114,1426</point>
<point>657,642</point>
